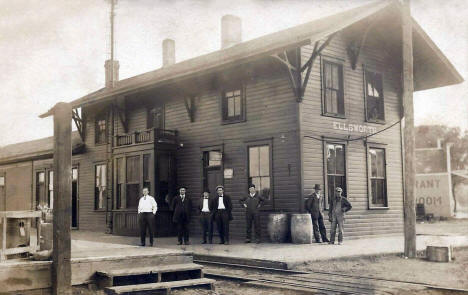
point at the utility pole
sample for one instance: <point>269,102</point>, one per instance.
<point>61,253</point>
<point>408,131</point>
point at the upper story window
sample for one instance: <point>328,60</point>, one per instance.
<point>375,110</point>
<point>332,85</point>
<point>233,105</point>
<point>155,118</point>
<point>100,129</point>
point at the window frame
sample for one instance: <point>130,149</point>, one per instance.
<point>365,70</point>
<point>338,62</point>
<point>150,112</point>
<point>96,164</point>
<point>224,105</point>
<point>101,117</point>
<point>269,203</point>
<point>325,142</point>
<point>371,206</point>
<point>151,174</point>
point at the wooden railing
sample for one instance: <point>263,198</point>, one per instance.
<point>152,135</point>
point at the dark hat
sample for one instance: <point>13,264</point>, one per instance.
<point>338,189</point>
<point>317,187</point>
<point>220,186</point>
<point>182,187</point>
<point>251,185</point>
<point>206,191</point>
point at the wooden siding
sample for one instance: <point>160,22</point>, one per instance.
<point>271,110</point>
<point>360,221</point>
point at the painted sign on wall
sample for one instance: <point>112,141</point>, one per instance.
<point>433,191</point>
<point>354,127</point>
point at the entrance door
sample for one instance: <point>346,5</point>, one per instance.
<point>212,172</point>
<point>74,221</point>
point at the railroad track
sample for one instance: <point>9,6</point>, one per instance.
<point>317,282</point>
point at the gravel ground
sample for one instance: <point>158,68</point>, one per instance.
<point>453,274</point>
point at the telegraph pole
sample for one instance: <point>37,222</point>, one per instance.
<point>408,131</point>
<point>61,253</point>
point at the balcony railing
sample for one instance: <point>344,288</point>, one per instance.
<point>152,135</point>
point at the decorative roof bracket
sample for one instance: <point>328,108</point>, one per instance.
<point>80,124</point>
<point>191,104</point>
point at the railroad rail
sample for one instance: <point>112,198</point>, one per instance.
<point>316,282</point>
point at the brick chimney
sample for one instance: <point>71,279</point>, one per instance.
<point>112,72</point>
<point>231,31</point>
<point>168,52</point>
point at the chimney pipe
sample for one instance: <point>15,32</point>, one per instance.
<point>112,72</point>
<point>231,31</point>
<point>168,48</point>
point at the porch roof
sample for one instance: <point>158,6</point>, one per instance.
<point>35,149</point>
<point>432,68</point>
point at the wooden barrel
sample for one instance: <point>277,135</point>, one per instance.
<point>278,227</point>
<point>301,228</point>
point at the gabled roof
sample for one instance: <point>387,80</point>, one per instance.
<point>35,149</point>
<point>441,70</point>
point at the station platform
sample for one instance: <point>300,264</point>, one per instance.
<point>284,256</point>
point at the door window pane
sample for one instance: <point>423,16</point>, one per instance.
<point>50,193</point>
<point>336,170</point>
<point>377,177</point>
<point>100,191</point>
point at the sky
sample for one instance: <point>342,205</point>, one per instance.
<point>54,50</point>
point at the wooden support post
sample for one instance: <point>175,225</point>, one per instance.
<point>408,132</point>
<point>61,255</point>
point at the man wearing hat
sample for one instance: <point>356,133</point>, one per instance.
<point>252,202</point>
<point>222,210</point>
<point>182,207</point>
<point>206,216</point>
<point>339,205</point>
<point>314,205</point>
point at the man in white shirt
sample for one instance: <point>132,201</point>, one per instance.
<point>147,208</point>
<point>206,216</point>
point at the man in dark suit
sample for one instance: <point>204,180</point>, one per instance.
<point>206,216</point>
<point>182,207</point>
<point>314,205</point>
<point>252,202</point>
<point>222,210</point>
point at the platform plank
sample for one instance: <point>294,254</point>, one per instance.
<point>160,286</point>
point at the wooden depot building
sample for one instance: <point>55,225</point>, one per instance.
<point>316,103</point>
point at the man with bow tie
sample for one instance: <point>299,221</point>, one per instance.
<point>206,216</point>
<point>252,202</point>
<point>314,205</point>
<point>222,211</point>
<point>147,208</point>
<point>182,207</point>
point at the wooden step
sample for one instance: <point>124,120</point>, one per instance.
<point>149,269</point>
<point>165,286</point>
<point>148,274</point>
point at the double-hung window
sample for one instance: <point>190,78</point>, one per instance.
<point>233,105</point>
<point>375,109</point>
<point>336,169</point>
<point>377,181</point>
<point>260,169</point>
<point>100,187</point>
<point>332,89</point>
<point>100,130</point>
